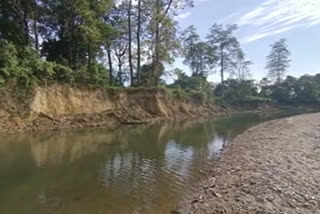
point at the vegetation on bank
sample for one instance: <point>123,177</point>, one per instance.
<point>114,44</point>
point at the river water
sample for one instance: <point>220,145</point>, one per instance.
<point>125,170</point>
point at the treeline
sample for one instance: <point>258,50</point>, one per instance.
<point>291,91</point>
<point>131,43</point>
<point>103,42</point>
<point>109,42</point>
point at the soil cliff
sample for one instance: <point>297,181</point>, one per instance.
<point>56,107</point>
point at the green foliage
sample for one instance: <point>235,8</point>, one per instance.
<point>221,38</point>
<point>305,90</point>
<point>69,42</point>
<point>278,60</point>
<point>97,75</point>
<point>194,86</point>
<point>11,65</point>
<point>63,74</point>
<point>236,91</point>
<point>149,76</point>
<point>24,66</point>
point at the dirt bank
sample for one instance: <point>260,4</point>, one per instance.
<point>56,107</point>
<point>272,168</point>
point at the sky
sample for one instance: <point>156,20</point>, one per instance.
<point>262,22</point>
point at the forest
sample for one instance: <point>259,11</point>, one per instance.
<point>133,43</point>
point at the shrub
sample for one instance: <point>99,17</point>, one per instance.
<point>24,66</point>
<point>97,75</point>
<point>63,74</point>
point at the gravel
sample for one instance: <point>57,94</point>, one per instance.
<point>271,168</point>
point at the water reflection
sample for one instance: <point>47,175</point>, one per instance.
<point>129,169</point>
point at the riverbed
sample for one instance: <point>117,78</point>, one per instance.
<point>145,169</point>
<point>272,168</point>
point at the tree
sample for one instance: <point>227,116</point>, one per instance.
<point>119,48</point>
<point>278,60</point>
<point>222,40</point>
<point>198,55</point>
<point>265,89</point>
<point>117,44</point>
<point>15,20</point>
<point>242,70</point>
<point>236,91</point>
<point>120,53</point>
<point>130,42</point>
<point>139,41</point>
<point>76,31</point>
<point>204,57</point>
<point>307,89</point>
<point>189,40</point>
<point>162,30</point>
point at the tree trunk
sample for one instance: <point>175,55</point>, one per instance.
<point>76,56</point>
<point>35,25</point>
<point>110,66</point>
<point>120,70</point>
<point>26,25</point>
<point>156,56</point>
<point>222,70</point>
<point>36,34</point>
<point>130,42</point>
<point>279,69</point>
<point>89,57</point>
<point>138,42</point>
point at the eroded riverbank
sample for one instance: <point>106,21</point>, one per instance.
<point>271,168</point>
<point>64,107</point>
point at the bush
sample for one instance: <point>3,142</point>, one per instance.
<point>63,74</point>
<point>97,75</point>
<point>24,66</point>
<point>236,91</point>
<point>11,66</point>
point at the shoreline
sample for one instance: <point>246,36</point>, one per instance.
<point>59,107</point>
<point>271,168</point>
<point>107,124</point>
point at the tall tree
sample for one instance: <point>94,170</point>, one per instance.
<point>198,55</point>
<point>204,57</point>
<point>138,41</point>
<point>242,71</point>
<point>278,60</point>
<point>130,42</point>
<point>189,40</point>
<point>15,17</point>
<point>116,18</point>
<point>226,46</point>
<point>120,50</point>
<point>120,46</point>
<point>35,20</point>
<point>76,31</point>
<point>162,29</point>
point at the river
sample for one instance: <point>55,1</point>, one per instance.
<point>145,169</point>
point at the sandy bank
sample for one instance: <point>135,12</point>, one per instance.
<point>59,107</point>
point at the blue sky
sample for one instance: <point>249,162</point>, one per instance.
<point>261,22</point>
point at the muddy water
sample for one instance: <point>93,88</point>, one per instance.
<point>125,170</point>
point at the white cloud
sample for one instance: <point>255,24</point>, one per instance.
<point>229,18</point>
<point>278,16</point>
<point>182,16</point>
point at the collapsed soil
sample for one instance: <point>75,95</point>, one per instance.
<point>60,107</point>
<point>271,168</point>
